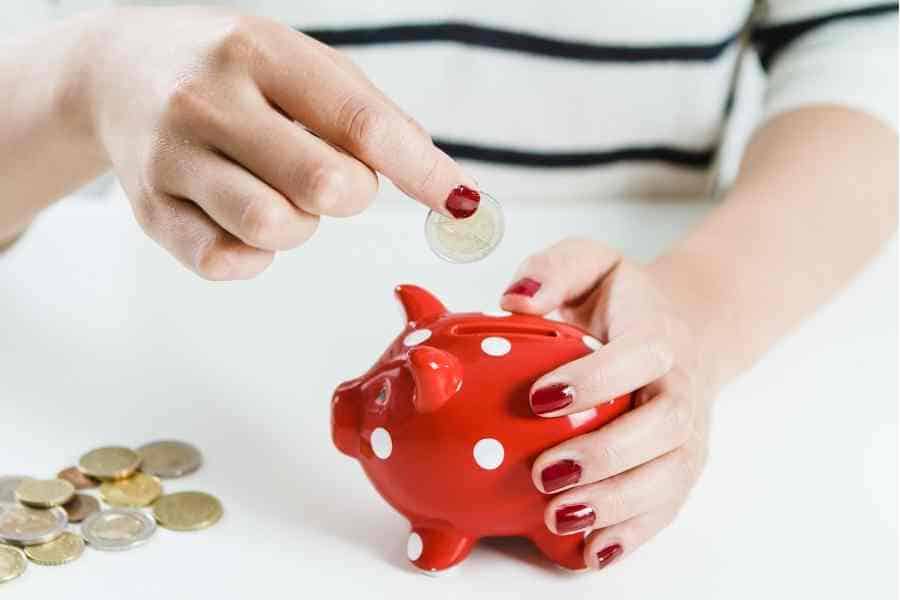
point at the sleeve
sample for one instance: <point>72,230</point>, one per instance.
<point>829,52</point>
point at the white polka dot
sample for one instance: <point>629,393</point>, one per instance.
<point>591,342</point>
<point>488,453</point>
<point>414,546</point>
<point>496,313</point>
<point>416,337</point>
<point>382,445</point>
<point>496,346</point>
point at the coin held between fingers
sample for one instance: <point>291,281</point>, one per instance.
<point>470,239</point>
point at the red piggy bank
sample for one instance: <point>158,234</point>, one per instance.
<point>442,426</point>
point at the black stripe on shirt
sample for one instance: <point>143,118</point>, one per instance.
<point>695,159</point>
<point>515,41</point>
<point>772,40</point>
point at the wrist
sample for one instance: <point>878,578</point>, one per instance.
<point>75,95</point>
<point>699,299</point>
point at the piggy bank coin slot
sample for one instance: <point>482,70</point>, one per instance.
<point>502,330</point>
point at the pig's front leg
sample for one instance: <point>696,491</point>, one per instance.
<point>435,548</point>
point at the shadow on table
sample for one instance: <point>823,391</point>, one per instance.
<point>285,472</point>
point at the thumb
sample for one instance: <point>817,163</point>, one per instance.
<point>562,274</point>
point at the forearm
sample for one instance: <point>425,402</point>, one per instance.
<point>815,199</point>
<point>48,144</point>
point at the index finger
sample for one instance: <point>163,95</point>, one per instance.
<point>345,110</point>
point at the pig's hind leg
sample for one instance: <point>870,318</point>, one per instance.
<point>435,548</point>
<point>567,551</point>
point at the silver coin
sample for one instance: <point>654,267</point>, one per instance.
<point>169,458</point>
<point>117,529</point>
<point>466,240</point>
<point>8,487</point>
<point>25,526</point>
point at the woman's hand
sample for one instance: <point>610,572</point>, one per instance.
<point>233,134</point>
<point>627,480</point>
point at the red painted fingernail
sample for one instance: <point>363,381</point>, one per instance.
<point>524,287</point>
<point>559,475</point>
<point>462,202</point>
<point>608,554</point>
<point>553,397</point>
<point>574,517</point>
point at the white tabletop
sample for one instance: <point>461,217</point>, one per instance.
<point>104,339</point>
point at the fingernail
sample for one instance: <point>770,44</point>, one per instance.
<point>462,202</point>
<point>608,554</point>
<point>524,287</point>
<point>559,475</point>
<point>552,397</point>
<point>574,517</point>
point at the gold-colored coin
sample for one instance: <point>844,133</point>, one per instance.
<point>77,478</point>
<point>44,493</point>
<point>63,549</point>
<point>80,507</point>
<point>187,511</point>
<point>466,240</point>
<point>12,563</point>
<point>136,491</point>
<point>169,458</point>
<point>109,463</point>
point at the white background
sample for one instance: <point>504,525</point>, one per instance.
<point>105,340</point>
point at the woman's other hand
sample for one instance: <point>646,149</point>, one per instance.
<point>627,480</point>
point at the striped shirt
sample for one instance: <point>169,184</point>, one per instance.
<point>593,99</point>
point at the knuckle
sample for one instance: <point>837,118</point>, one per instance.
<point>679,417</point>
<point>160,168</point>
<point>260,222</point>
<point>608,461</point>
<point>615,506</point>
<point>362,126</point>
<point>240,41</point>
<point>600,383</point>
<point>431,162</point>
<point>658,356</point>
<point>419,128</point>
<point>211,261</point>
<point>188,104</point>
<point>325,187</point>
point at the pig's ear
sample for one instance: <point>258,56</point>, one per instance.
<point>418,304</point>
<point>438,376</point>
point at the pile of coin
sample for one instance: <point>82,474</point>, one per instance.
<point>36,514</point>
